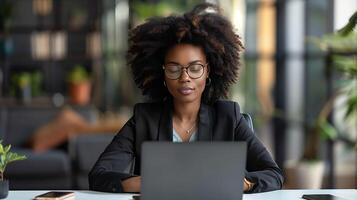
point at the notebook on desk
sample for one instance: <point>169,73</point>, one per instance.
<point>191,171</point>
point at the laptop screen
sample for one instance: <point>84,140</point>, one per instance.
<point>197,170</point>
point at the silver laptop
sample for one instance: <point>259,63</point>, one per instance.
<point>192,171</point>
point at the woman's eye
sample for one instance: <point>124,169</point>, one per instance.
<point>195,68</point>
<point>173,69</point>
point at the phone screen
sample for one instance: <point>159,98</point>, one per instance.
<point>321,197</point>
<point>136,197</point>
<point>55,195</point>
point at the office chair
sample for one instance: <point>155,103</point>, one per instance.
<point>249,120</point>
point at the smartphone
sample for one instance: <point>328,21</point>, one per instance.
<point>321,197</point>
<point>136,197</point>
<point>55,196</point>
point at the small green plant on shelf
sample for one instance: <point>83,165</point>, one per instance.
<point>78,74</point>
<point>7,157</point>
<point>79,85</point>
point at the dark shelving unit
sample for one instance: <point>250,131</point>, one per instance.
<point>61,18</point>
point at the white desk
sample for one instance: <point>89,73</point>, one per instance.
<point>349,194</point>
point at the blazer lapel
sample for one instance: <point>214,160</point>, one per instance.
<point>205,118</point>
<point>165,124</point>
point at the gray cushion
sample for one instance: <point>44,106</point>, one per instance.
<point>85,150</point>
<point>54,163</point>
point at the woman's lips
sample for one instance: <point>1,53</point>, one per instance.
<point>185,90</point>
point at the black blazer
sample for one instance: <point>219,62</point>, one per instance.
<point>153,122</point>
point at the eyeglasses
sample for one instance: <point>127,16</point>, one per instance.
<point>193,70</point>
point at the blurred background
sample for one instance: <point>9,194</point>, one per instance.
<point>65,88</point>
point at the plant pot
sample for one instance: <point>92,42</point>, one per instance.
<point>4,189</point>
<point>305,174</point>
<point>310,174</point>
<point>80,92</point>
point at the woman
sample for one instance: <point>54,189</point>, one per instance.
<point>185,64</point>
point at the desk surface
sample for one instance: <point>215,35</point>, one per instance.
<point>348,194</point>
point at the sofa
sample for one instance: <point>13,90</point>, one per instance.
<point>60,168</point>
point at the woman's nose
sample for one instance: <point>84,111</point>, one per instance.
<point>184,75</point>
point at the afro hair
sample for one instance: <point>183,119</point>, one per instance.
<point>204,26</point>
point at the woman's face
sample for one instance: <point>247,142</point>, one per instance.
<point>186,85</point>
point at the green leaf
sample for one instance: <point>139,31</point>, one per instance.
<point>349,27</point>
<point>1,149</point>
<point>78,74</point>
<point>6,157</point>
<point>14,157</point>
<point>3,160</point>
<point>7,148</point>
<point>327,130</point>
<point>346,83</point>
<point>351,106</point>
<point>337,42</point>
<point>346,65</point>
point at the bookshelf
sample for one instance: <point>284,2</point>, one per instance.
<point>41,41</point>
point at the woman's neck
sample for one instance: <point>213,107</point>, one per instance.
<point>186,111</point>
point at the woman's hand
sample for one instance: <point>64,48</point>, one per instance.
<point>132,184</point>
<point>247,186</point>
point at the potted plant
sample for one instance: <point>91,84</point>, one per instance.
<point>342,49</point>
<point>21,87</point>
<point>79,85</point>
<point>6,157</point>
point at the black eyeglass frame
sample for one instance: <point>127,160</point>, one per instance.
<point>186,69</point>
